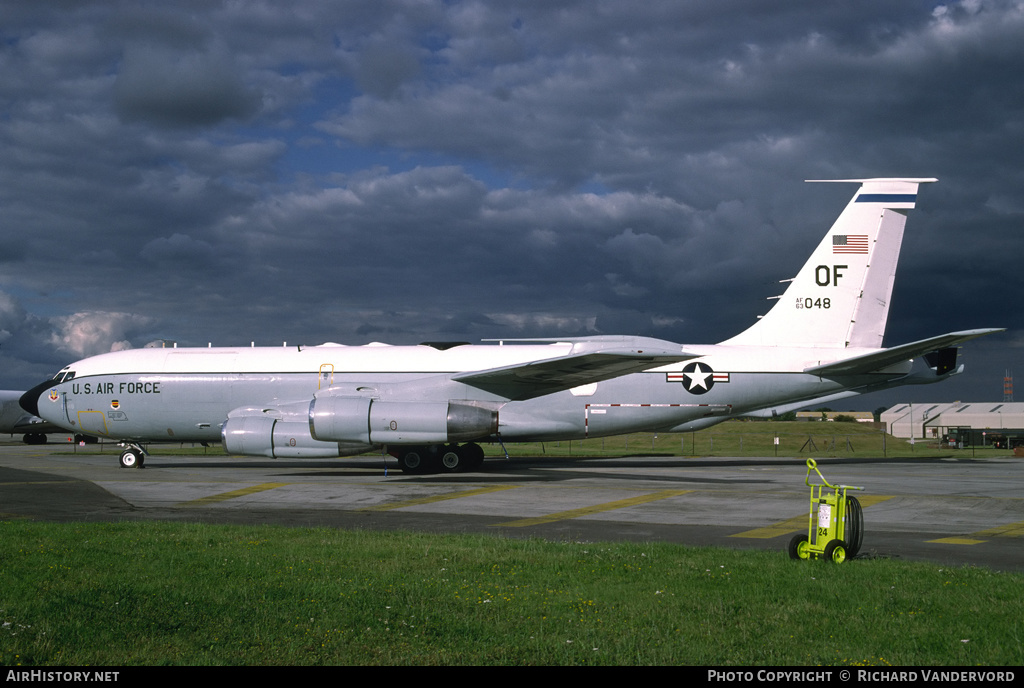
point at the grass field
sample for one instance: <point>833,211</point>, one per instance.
<point>191,594</point>
<point>155,593</point>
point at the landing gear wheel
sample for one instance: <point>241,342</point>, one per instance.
<point>412,461</point>
<point>132,458</point>
<point>452,460</point>
<point>835,551</point>
<point>799,547</point>
<point>474,455</point>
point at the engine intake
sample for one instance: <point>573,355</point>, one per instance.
<point>267,436</point>
<point>357,419</point>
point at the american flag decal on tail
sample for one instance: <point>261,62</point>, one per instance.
<point>849,243</point>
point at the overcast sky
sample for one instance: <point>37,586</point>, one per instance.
<point>411,170</point>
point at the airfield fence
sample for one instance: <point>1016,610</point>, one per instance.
<point>718,444</point>
<point>743,440</point>
<point>733,438</point>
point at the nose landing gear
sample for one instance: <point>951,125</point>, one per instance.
<point>134,456</point>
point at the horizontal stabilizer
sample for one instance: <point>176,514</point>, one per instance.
<point>869,363</point>
<point>530,380</point>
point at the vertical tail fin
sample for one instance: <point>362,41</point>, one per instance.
<point>840,298</point>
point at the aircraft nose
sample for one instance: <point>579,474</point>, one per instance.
<point>30,399</point>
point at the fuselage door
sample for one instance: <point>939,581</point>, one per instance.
<point>326,376</point>
<point>93,422</point>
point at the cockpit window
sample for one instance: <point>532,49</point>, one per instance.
<point>63,376</point>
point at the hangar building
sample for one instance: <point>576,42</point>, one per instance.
<point>970,424</point>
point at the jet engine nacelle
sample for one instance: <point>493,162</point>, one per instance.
<point>267,436</point>
<point>357,419</point>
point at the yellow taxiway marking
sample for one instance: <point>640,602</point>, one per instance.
<point>596,509</point>
<point>798,523</point>
<point>1008,530</point>
<point>438,498</point>
<point>225,496</point>
<point>790,525</point>
<point>957,541</point>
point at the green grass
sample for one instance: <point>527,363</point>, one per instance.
<point>753,439</point>
<point>187,594</point>
<point>731,438</point>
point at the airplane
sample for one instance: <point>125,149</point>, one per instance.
<point>430,405</point>
<point>15,420</point>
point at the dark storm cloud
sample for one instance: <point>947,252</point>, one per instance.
<point>715,91</point>
<point>170,88</point>
<point>407,170</point>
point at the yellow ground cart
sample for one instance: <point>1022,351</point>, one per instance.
<point>836,528</point>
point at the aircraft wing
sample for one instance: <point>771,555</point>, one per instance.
<point>869,363</point>
<point>530,380</point>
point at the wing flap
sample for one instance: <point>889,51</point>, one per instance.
<point>869,363</point>
<point>530,380</point>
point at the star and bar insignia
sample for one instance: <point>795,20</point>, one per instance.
<point>697,378</point>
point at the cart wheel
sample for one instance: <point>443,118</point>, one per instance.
<point>799,547</point>
<point>835,551</point>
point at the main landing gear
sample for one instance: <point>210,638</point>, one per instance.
<point>439,458</point>
<point>133,456</point>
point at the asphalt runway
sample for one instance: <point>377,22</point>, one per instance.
<point>951,511</point>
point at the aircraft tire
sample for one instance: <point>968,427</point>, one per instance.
<point>132,458</point>
<point>798,547</point>
<point>411,460</point>
<point>419,460</point>
<point>453,459</point>
<point>474,454</point>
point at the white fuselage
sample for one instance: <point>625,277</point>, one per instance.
<point>186,394</point>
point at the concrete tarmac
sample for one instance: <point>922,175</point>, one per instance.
<point>951,511</point>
